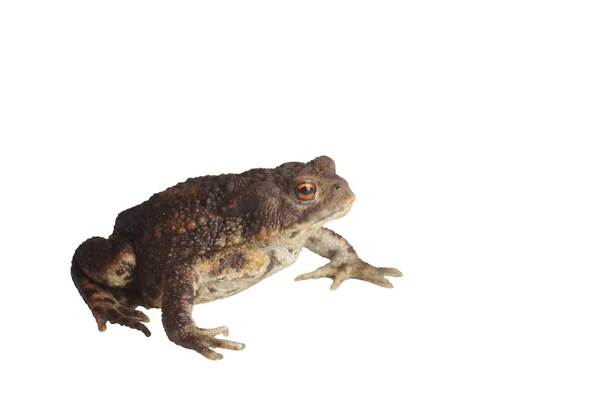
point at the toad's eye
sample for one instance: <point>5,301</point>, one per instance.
<point>306,191</point>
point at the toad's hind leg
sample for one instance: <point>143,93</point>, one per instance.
<point>100,269</point>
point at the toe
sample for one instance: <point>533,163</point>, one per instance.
<point>134,314</point>
<point>136,325</point>
<point>323,271</point>
<point>209,353</point>
<point>385,283</point>
<point>338,280</point>
<point>222,330</point>
<point>381,281</point>
<point>227,344</point>
<point>390,272</point>
<point>307,276</point>
<point>101,324</point>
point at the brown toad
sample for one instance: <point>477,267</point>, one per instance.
<point>212,237</point>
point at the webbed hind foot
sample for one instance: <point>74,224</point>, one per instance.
<point>107,306</point>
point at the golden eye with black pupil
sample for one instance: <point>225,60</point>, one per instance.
<point>305,191</point>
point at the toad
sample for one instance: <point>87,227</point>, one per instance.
<point>211,237</point>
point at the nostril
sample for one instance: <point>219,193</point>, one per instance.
<point>337,187</point>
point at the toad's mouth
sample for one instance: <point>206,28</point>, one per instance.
<point>320,219</point>
<point>326,216</point>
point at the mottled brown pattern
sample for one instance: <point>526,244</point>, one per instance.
<point>235,261</point>
<point>211,237</point>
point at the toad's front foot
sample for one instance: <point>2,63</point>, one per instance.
<point>203,341</point>
<point>339,271</point>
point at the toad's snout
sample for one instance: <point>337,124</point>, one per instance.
<point>346,196</point>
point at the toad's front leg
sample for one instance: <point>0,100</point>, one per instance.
<point>344,262</point>
<point>178,300</point>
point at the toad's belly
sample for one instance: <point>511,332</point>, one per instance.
<point>232,272</point>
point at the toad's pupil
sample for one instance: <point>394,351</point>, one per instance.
<point>306,190</point>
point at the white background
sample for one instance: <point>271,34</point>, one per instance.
<point>468,131</point>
